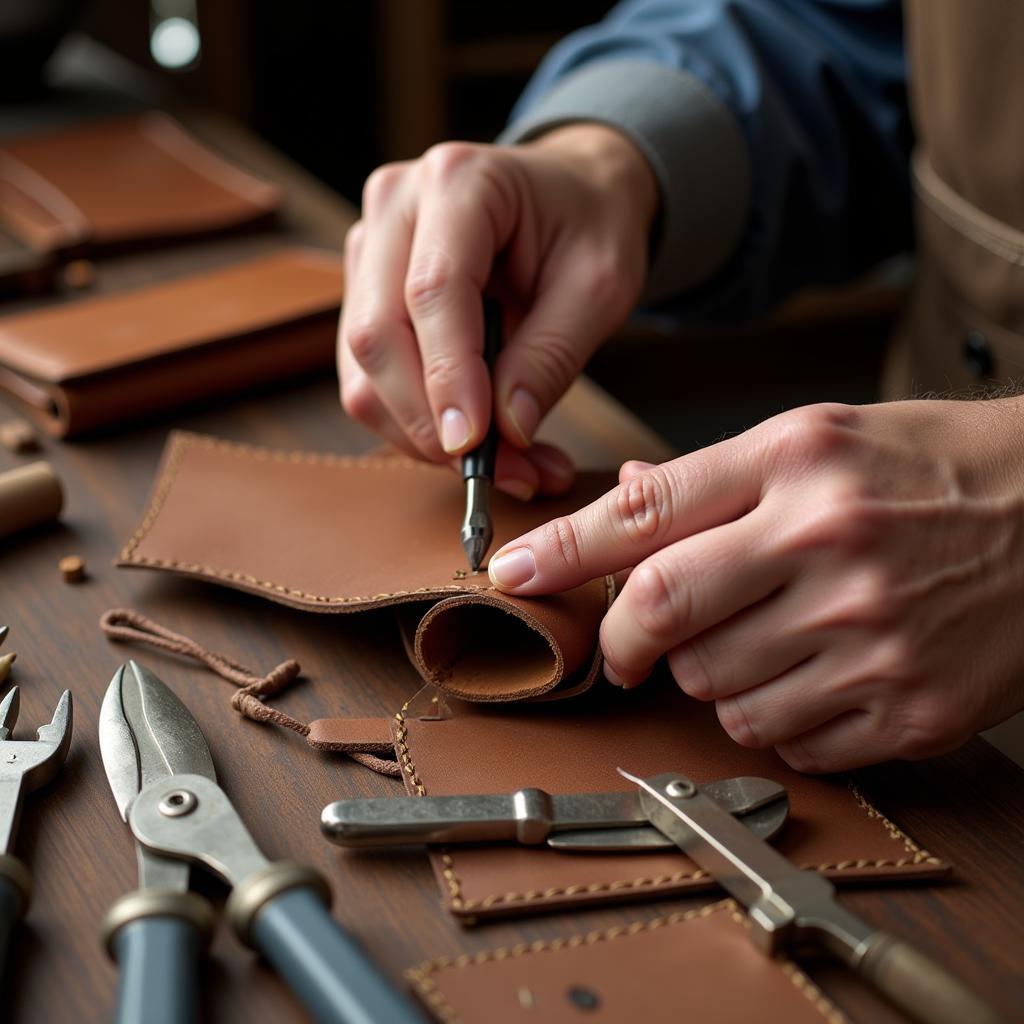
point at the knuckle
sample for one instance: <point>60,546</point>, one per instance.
<point>422,432</point>
<point>428,282</point>
<point>801,758</point>
<point>381,185</point>
<point>560,539</point>
<point>445,159</point>
<point>367,342</point>
<point>607,282</point>
<point>353,238</point>
<point>925,728</point>
<point>643,505</point>
<point>654,606</point>
<point>359,400</point>
<point>440,371</point>
<point>807,437</point>
<point>844,519</point>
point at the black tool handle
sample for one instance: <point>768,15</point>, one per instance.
<point>480,461</point>
<point>325,967</point>
<point>159,962</point>
<point>919,986</point>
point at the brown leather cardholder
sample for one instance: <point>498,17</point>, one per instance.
<point>698,966</point>
<point>112,358</point>
<point>576,746</point>
<point>333,534</point>
<point>106,184</point>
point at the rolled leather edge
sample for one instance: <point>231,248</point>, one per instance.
<point>491,647</point>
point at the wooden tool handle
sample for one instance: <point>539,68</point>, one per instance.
<point>919,986</point>
<point>29,495</point>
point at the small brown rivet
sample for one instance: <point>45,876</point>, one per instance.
<point>18,436</point>
<point>79,274</point>
<point>72,568</point>
<point>459,574</point>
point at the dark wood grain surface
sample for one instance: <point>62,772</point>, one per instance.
<point>967,807</point>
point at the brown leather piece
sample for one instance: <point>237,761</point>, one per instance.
<point>575,746</point>
<point>112,358</point>
<point>335,534</point>
<point>348,735</point>
<point>697,966</point>
<point>105,184</point>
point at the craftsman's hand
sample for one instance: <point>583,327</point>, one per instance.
<point>847,583</point>
<point>556,229</point>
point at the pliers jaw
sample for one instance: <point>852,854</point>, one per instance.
<point>34,762</point>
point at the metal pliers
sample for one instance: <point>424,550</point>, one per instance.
<point>162,776</point>
<point>25,765</point>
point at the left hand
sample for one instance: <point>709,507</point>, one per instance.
<point>846,583</point>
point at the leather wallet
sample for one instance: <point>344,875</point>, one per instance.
<point>112,358</point>
<point>574,747</point>
<point>107,184</point>
<point>333,534</point>
<point>698,966</point>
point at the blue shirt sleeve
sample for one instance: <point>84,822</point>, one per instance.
<point>818,91</point>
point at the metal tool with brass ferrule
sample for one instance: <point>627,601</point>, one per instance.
<point>162,776</point>
<point>597,822</point>
<point>791,907</point>
<point>478,465</point>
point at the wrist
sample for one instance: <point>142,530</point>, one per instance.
<point>610,160</point>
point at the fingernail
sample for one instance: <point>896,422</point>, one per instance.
<point>517,488</point>
<point>524,411</point>
<point>454,429</point>
<point>512,568</point>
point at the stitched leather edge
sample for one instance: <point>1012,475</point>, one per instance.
<point>460,905</point>
<point>419,976</point>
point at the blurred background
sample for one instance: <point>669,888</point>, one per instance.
<point>343,85</point>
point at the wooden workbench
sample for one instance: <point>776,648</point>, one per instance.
<point>967,807</point>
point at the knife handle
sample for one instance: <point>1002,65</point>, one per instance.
<point>15,893</point>
<point>920,987</point>
<point>480,461</point>
<point>156,937</point>
<point>281,912</point>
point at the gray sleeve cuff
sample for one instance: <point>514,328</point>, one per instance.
<point>693,143</point>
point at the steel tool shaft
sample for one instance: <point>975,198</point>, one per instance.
<point>478,465</point>
<point>790,907</point>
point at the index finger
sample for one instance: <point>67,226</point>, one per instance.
<point>643,514</point>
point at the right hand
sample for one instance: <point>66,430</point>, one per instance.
<point>556,229</point>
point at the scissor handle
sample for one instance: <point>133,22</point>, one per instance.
<point>281,911</point>
<point>156,936</point>
<point>919,986</point>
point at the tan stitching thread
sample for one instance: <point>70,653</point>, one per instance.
<point>459,903</point>
<point>918,854</point>
<point>181,441</point>
<point>420,975</point>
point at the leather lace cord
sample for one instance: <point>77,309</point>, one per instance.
<point>129,626</point>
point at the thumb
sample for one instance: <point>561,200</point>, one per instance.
<point>643,514</point>
<point>552,345</point>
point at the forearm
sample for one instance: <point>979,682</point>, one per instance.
<point>772,132</point>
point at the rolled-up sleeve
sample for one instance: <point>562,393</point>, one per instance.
<point>778,132</point>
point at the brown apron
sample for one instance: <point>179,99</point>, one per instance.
<point>964,325</point>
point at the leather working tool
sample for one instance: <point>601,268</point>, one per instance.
<point>790,907</point>
<point>478,465</point>
<point>162,776</point>
<point>25,765</point>
<point>599,822</point>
